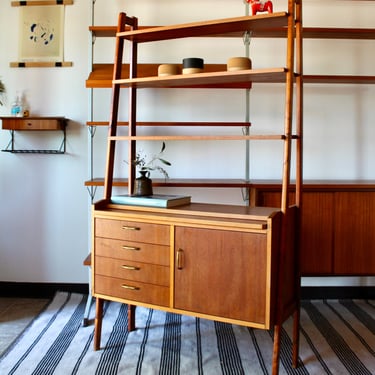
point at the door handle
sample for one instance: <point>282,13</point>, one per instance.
<point>130,268</point>
<point>180,259</point>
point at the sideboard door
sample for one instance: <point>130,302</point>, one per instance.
<point>222,273</point>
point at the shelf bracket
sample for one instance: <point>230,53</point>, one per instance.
<point>10,147</point>
<point>246,37</point>
<point>245,194</point>
<point>92,192</point>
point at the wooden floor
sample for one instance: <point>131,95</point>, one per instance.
<point>15,315</point>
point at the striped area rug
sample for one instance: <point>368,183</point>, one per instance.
<point>337,337</point>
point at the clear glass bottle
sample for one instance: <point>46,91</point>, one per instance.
<point>16,109</point>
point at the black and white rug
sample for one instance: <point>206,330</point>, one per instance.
<point>337,337</point>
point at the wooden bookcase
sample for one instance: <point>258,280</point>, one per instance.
<point>185,259</point>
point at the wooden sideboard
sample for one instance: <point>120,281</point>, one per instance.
<point>338,221</point>
<point>191,259</point>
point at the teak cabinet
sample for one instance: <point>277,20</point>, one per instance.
<point>221,267</point>
<point>236,264</point>
<point>336,235</point>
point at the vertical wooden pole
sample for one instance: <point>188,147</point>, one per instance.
<point>132,129</point>
<point>112,129</point>
<point>299,175</point>
<point>131,318</point>
<point>288,119</point>
<point>98,323</point>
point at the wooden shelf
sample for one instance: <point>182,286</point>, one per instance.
<point>101,76</point>
<point>308,185</point>
<point>268,32</point>
<point>338,33</point>
<point>174,124</point>
<point>110,31</point>
<point>41,2</point>
<point>238,137</point>
<point>218,27</point>
<point>179,182</point>
<point>321,185</point>
<point>33,123</point>
<point>212,79</point>
<point>40,64</point>
<point>339,79</point>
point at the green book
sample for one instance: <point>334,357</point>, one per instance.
<point>156,200</point>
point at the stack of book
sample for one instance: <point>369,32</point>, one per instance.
<point>156,200</point>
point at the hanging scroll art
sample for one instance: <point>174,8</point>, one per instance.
<point>41,34</point>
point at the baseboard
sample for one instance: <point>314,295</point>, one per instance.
<point>338,292</point>
<point>39,290</point>
<point>48,290</point>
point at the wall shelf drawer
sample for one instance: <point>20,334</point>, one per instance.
<point>34,123</point>
<point>132,290</point>
<point>132,251</point>
<point>135,271</point>
<point>132,231</point>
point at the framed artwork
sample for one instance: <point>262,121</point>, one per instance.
<point>41,33</point>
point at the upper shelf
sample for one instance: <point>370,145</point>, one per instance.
<point>101,77</point>
<point>211,79</point>
<point>268,32</point>
<point>339,79</point>
<point>101,74</point>
<point>207,28</point>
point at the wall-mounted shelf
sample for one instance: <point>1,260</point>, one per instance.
<point>40,64</point>
<point>269,32</point>
<point>101,74</point>
<point>43,2</point>
<point>34,124</point>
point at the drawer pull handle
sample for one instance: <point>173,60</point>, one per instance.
<point>130,287</point>
<point>130,268</point>
<point>133,248</point>
<point>125,227</point>
<point>180,259</point>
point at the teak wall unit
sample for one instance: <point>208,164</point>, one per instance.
<point>235,264</point>
<point>337,217</point>
<point>34,124</point>
<point>336,235</point>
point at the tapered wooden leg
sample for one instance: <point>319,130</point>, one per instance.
<point>98,323</point>
<point>276,349</point>
<point>131,318</point>
<point>296,321</point>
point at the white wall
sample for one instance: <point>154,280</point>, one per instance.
<point>45,214</point>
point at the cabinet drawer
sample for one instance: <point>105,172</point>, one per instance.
<point>135,271</point>
<point>132,231</point>
<point>132,290</point>
<point>33,123</point>
<point>133,251</point>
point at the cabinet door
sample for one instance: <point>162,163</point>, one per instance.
<point>354,233</point>
<point>222,273</point>
<point>316,251</point>
<point>317,233</point>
